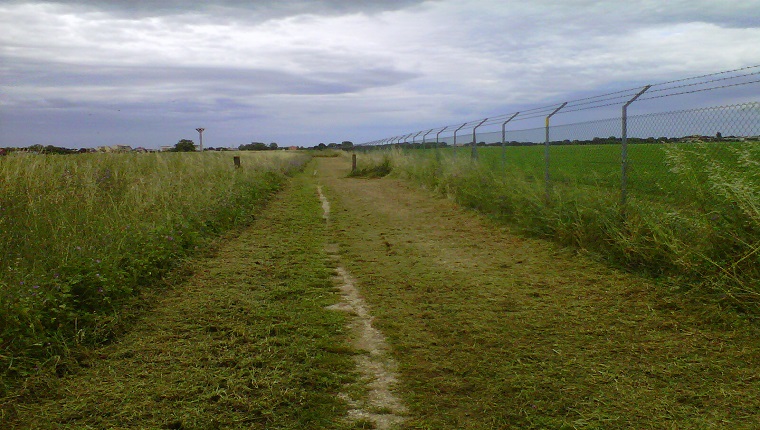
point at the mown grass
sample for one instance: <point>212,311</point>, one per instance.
<point>692,213</point>
<point>493,330</point>
<point>82,236</point>
<point>245,342</point>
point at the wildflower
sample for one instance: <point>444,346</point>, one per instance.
<point>97,261</point>
<point>36,286</point>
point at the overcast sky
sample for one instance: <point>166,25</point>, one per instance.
<point>296,72</point>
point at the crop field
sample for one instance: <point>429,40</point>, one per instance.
<point>81,236</point>
<point>651,167</point>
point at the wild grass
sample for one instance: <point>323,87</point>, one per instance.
<point>372,167</point>
<point>81,236</point>
<point>691,215</point>
<point>246,341</point>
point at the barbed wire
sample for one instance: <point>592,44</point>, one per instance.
<point>708,75</point>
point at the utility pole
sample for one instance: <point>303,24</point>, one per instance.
<point>200,133</point>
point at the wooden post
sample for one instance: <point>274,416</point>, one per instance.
<point>353,163</point>
<point>236,160</point>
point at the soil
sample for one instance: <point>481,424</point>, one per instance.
<point>379,405</point>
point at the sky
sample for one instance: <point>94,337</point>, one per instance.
<point>86,73</point>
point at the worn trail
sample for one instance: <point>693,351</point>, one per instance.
<point>494,330</point>
<point>377,403</point>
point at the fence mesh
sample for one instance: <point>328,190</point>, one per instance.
<point>676,191</point>
<point>590,154</point>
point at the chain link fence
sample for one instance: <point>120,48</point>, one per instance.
<point>670,192</point>
<point>634,156</point>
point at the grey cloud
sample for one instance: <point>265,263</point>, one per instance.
<point>180,81</point>
<point>236,8</point>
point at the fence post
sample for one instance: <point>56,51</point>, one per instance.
<point>504,140</point>
<point>624,153</point>
<point>353,163</point>
<point>455,137</point>
<point>474,140</point>
<point>406,138</point>
<point>547,178</point>
<point>415,138</point>
<point>236,160</point>
<point>437,152</point>
<point>424,145</point>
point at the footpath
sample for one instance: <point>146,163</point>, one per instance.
<point>371,303</point>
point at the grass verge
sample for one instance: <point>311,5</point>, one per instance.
<point>701,228</point>
<point>246,342</point>
<point>81,237</point>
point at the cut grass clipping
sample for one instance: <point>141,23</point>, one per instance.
<point>492,330</point>
<point>245,343</point>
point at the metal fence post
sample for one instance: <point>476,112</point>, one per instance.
<point>406,139</point>
<point>504,140</point>
<point>424,145</point>
<point>624,152</point>
<point>474,140</point>
<point>437,152</point>
<point>547,178</point>
<point>455,137</point>
<point>415,138</point>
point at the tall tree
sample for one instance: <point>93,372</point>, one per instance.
<point>184,145</point>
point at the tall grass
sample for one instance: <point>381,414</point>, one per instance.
<point>701,226</point>
<point>81,236</point>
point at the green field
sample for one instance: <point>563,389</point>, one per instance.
<point>650,166</point>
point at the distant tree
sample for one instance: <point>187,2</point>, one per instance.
<point>184,145</point>
<point>253,146</point>
<point>346,145</point>
<point>718,135</point>
<point>50,149</point>
<point>322,146</point>
<point>273,146</point>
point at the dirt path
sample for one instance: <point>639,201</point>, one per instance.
<point>376,402</point>
<point>492,330</point>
